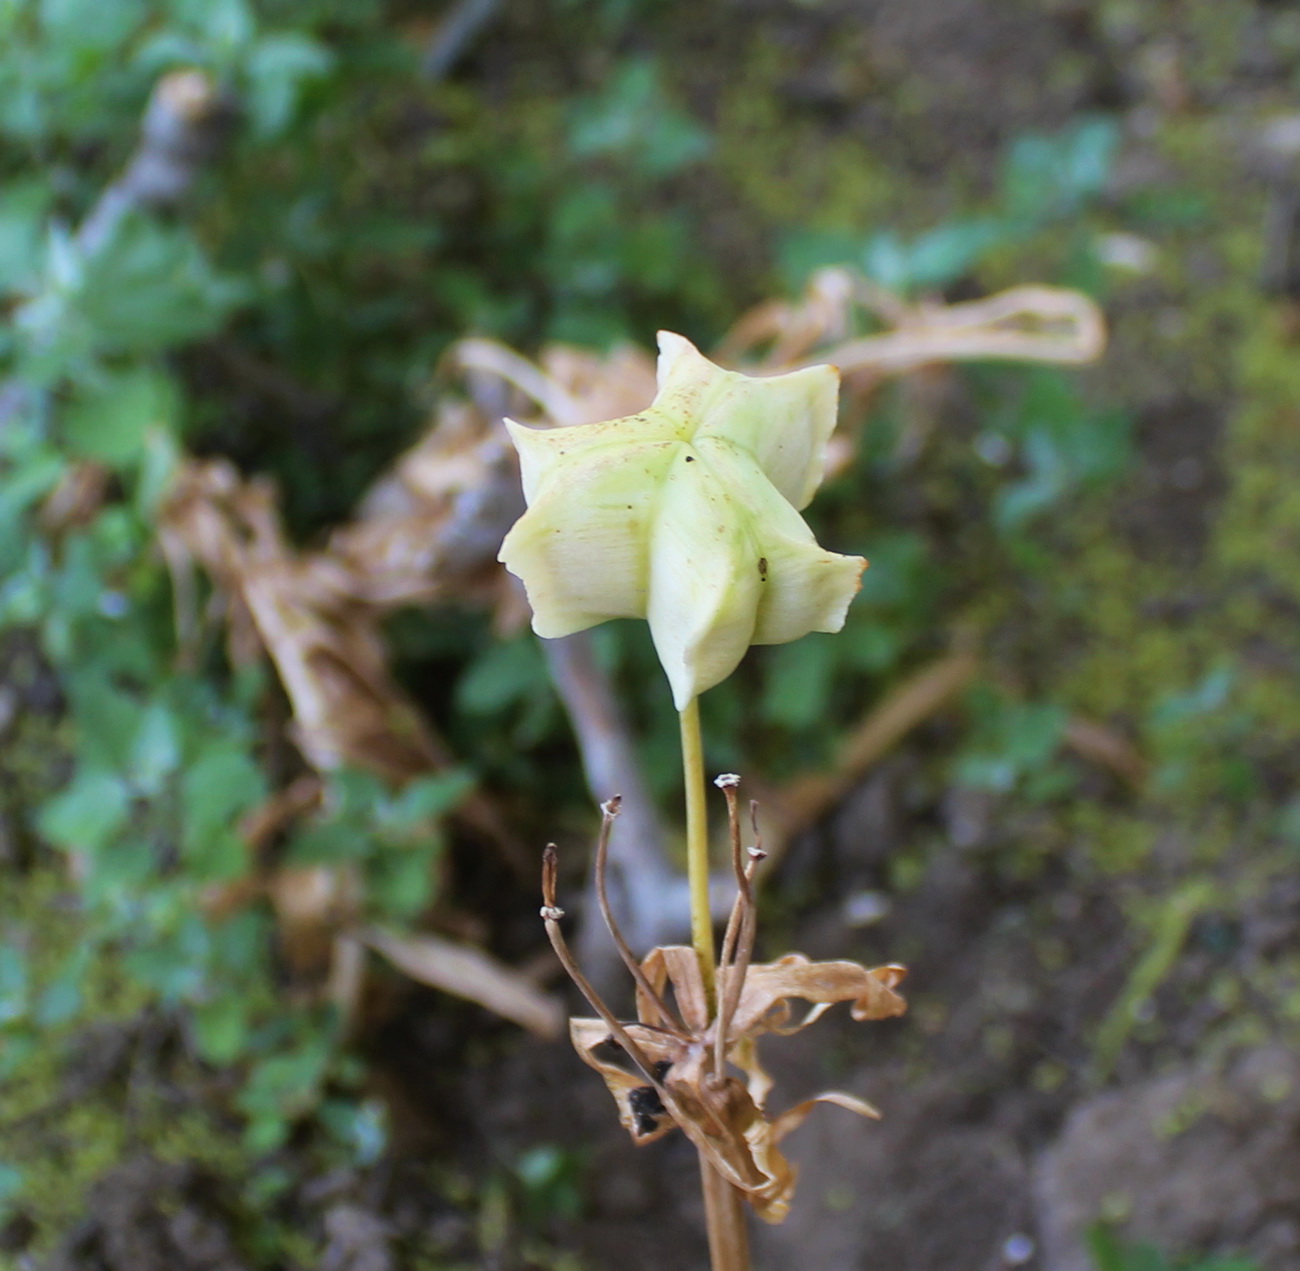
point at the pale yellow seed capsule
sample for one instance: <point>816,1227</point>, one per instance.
<point>686,515</point>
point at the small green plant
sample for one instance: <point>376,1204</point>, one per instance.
<point>1110,1254</point>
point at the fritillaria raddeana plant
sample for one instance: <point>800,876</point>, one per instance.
<point>687,515</point>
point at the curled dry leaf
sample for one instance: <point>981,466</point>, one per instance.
<point>676,1066</point>
<point>728,1119</point>
<point>1036,324</point>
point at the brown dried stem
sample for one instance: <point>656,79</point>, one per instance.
<point>551,915</point>
<point>724,1218</point>
<point>738,943</point>
<point>724,1207</point>
<point>670,1019</point>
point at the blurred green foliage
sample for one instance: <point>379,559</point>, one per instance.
<point>1044,180</point>
<point>1109,1254</point>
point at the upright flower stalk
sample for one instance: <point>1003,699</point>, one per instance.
<point>697,841</point>
<point>687,515</point>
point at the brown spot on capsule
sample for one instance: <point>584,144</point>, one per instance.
<point>762,568</point>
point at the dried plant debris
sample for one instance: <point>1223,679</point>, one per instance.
<point>316,616</point>
<point>429,530</point>
<point>677,1065</point>
<point>347,711</point>
<point>1034,324</point>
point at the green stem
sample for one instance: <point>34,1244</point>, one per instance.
<point>697,844</point>
<point>724,1207</point>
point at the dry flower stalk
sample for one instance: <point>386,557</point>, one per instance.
<point>677,1065</point>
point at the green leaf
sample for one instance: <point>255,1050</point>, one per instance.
<point>152,288</point>
<point>61,1000</point>
<point>1047,176</point>
<point>221,1028</point>
<point>1104,1249</point>
<point>221,785</point>
<point>634,120</point>
<point>328,843</point>
<point>28,477</point>
<point>362,1127</point>
<point>11,1185</point>
<point>156,751</point>
<point>504,675</point>
<point>229,25</point>
<point>122,870</point>
<point>111,420</point>
<point>400,881</point>
<point>22,210</point>
<point>239,945</point>
<point>13,984</point>
<point>1047,481</point>
<point>283,1087</point>
<point>803,251</point>
<point>91,25</point>
<point>798,682</point>
<point>937,258</point>
<point>89,813</point>
<point>279,68</point>
<point>107,719</point>
<point>1012,740</point>
<point>427,798</point>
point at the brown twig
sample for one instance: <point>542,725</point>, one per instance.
<point>802,801</point>
<point>668,1017</point>
<point>551,915</point>
<point>742,928</point>
<point>1107,748</point>
<point>185,122</point>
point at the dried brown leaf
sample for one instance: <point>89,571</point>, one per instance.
<point>76,499</point>
<point>674,1083</point>
<point>312,904</point>
<point>431,527</point>
<point>1039,324</point>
